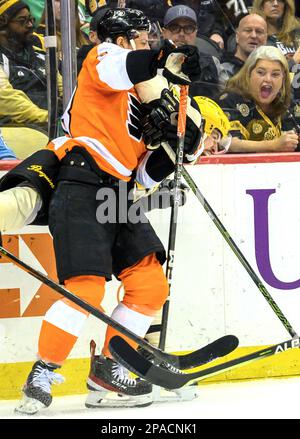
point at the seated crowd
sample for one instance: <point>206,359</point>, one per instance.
<point>249,51</point>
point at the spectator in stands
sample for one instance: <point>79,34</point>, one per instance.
<point>93,37</point>
<point>283,32</point>
<point>81,36</point>
<point>180,26</point>
<point>218,19</point>
<point>5,152</point>
<point>36,8</point>
<point>154,9</point>
<point>23,85</point>
<point>251,33</point>
<point>283,26</point>
<point>297,5</point>
<point>257,102</point>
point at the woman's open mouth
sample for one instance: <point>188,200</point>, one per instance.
<point>266,91</point>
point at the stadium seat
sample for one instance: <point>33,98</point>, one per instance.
<point>24,141</point>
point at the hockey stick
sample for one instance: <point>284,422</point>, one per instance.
<point>297,127</point>
<point>136,363</point>
<point>232,245</point>
<point>51,65</point>
<point>181,127</point>
<point>225,15</point>
<point>220,347</point>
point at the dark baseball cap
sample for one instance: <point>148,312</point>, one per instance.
<point>179,11</point>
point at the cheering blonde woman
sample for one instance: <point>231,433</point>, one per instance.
<point>257,101</point>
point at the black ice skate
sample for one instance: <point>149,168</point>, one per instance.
<point>110,385</point>
<point>37,389</point>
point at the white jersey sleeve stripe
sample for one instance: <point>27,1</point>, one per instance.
<point>142,177</point>
<point>116,78</point>
<point>99,148</point>
<point>104,152</point>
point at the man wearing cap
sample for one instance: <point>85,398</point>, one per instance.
<point>180,26</point>
<point>23,84</point>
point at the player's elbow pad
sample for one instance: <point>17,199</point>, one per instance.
<point>140,65</point>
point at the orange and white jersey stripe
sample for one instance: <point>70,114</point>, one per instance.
<point>104,114</point>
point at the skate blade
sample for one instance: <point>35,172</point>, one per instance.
<point>102,399</point>
<point>29,406</point>
<point>177,395</point>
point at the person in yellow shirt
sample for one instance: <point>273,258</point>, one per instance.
<point>23,76</point>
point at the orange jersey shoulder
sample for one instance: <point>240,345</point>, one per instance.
<point>104,113</point>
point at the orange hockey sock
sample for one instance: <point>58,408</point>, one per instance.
<point>146,290</point>
<point>64,320</point>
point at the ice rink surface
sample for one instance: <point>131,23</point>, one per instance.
<point>255,399</point>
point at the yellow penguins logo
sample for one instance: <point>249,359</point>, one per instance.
<point>257,128</point>
<point>270,134</point>
<point>39,171</point>
<point>244,109</point>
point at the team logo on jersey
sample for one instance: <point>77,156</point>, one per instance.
<point>270,134</point>
<point>134,114</point>
<point>257,128</point>
<point>243,109</point>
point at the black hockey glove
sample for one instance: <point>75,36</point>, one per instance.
<point>181,64</point>
<point>163,53</point>
<point>158,118</point>
<point>191,66</point>
<point>191,140</point>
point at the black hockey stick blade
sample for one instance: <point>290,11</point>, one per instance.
<point>218,348</point>
<point>136,363</point>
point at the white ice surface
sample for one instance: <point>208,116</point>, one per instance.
<point>255,399</point>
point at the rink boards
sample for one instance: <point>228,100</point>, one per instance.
<point>257,199</point>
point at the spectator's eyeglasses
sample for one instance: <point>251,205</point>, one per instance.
<point>187,29</point>
<point>23,21</point>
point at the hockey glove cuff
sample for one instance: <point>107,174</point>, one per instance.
<point>158,119</point>
<point>192,140</point>
<point>183,65</point>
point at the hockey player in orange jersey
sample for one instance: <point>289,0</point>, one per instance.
<point>103,149</point>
